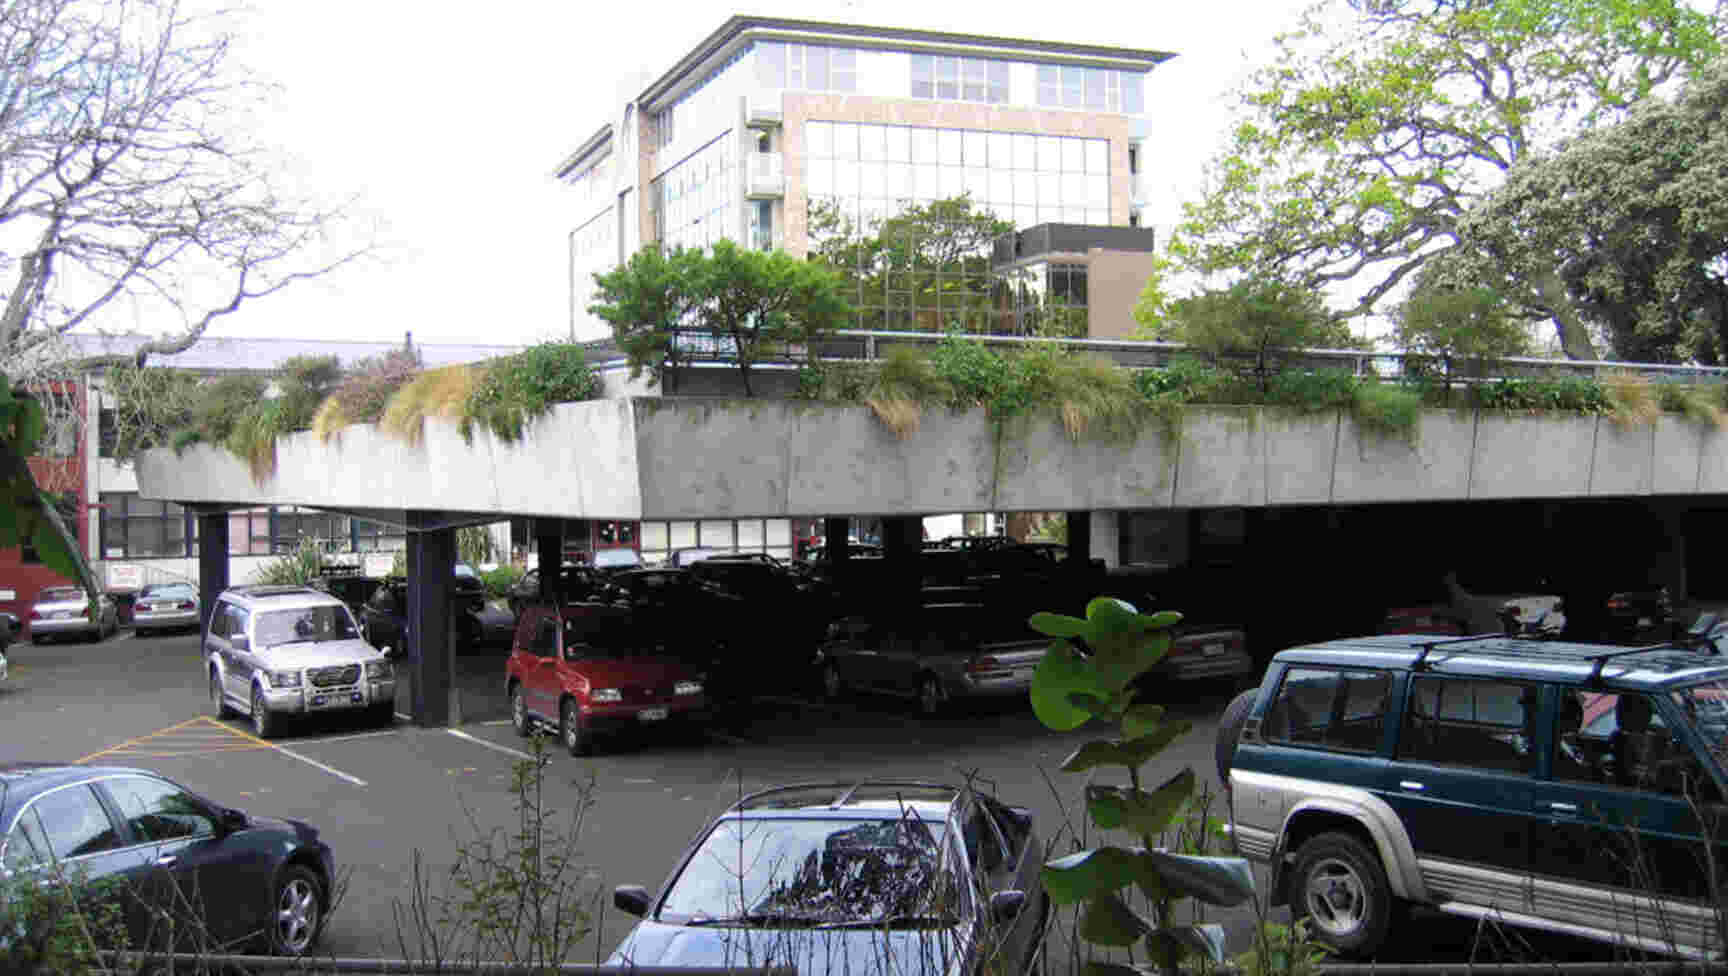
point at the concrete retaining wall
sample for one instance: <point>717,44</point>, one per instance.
<point>687,457</point>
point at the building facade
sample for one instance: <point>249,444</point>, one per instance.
<point>795,135</point>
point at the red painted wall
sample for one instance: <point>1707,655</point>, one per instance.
<point>25,580</point>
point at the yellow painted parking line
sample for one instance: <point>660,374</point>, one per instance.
<point>211,737</point>
<point>145,738</point>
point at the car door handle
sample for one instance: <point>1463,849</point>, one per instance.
<point>1563,807</point>
<point>167,861</point>
<point>1410,784</point>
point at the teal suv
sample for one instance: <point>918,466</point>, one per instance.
<point>1570,787</point>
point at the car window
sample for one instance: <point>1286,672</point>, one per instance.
<point>983,845</point>
<point>55,594</point>
<point>219,621</point>
<point>1620,739</point>
<point>70,823</point>
<point>545,642</point>
<point>158,810</point>
<point>1016,830</point>
<point>1329,708</point>
<point>1457,721</point>
<point>237,620</point>
<point>530,580</point>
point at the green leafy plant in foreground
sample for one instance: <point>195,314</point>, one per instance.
<point>1071,688</point>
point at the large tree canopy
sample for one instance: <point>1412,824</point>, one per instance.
<point>1363,145</point>
<point>1630,219</point>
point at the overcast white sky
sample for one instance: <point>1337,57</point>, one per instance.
<point>446,120</point>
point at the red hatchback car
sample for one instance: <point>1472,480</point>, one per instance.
<point>579,668</point>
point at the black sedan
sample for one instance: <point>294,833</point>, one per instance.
<point>176,862</point>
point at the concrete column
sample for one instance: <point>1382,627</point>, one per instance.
<point>212,566</point>
<point>431,649</point>
<point>1079,537</point>
<point>548,553</point>
<point>902,544</point>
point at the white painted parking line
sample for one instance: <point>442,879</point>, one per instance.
<point>346,738</point>
<point>519,754</point>
<point>497,721</point>
<point>339,774</point>
<point>405,718</point>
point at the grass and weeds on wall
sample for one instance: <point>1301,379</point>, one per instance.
<point>516,390</point>
<point>1095,398</point>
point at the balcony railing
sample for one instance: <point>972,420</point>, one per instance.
<point>765,178</point>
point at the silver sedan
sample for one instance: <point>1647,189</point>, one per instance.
<point>163,606</point>
<point>64,611</point>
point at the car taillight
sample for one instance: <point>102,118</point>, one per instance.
<point>1618,603</point>
<point>188,606</point>
<point>87,609</point>
<point>141,607</point>
<point>35,615</point>
<point>984,664</point>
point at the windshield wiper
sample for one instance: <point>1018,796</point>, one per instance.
<point>755,918</point>
<point>892,922</point>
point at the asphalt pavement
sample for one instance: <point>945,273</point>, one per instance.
<point>387,797</point>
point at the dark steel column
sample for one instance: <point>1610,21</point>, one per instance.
<point>838,555</point>
<point>902,550</point>
<point>549,553</point>
<point>431,651</point>
<point>1079,537</point>
<point>212,566</point>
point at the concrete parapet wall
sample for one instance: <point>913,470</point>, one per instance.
<point>690,457</point>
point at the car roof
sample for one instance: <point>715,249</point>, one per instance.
<point>265,595</point>
<point>1649,668</point>
<point>20,781</point>
<point>867,800</point>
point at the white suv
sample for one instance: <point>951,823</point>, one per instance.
<point>275,651</point>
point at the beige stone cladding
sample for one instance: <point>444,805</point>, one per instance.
<point>1113,283</point>
<point>800,107</point>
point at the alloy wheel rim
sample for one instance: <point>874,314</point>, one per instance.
<point>296,915</point>
<point>570,737</point>
<point>1336,897</point>
<point>930,696</point>
<point>518,708</point>
<point>257,711</point>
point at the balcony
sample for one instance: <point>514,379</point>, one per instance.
<point>762,109</point>
<point>765,179</point>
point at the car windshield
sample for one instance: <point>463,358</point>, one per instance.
<point>56,594</point>
<point>1705,706</point>
<point>609,558</point>
<point>598,635</point>
<point>816,872</point>
<point>174,591</point>
<point>308,624</point>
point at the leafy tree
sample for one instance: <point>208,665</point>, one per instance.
<point>927,267</point>
<point>758,302</point>
<point>1361,149</point>
<point>1629,221</point>
<point>1460,325</point>
<point>27,515</point>
<point>1255,319</point>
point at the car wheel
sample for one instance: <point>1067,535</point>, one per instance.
<point>383,714</point>
<point>468,632</point>
<point>138,633</point>
<point>1340,886</point>
<point>222,708</point>
<point>519,711</point>
<point>572,731</point>
<point>833,686</point>
<point>931,697</point>
<point>263,723</point>
<point>38,640</point>
<point>1230,731</point>
<point>297,912</point>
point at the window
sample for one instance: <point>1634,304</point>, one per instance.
<point>959,79</point>
<point>983,846</point>
<point>807,67</point>
<point>1486,724</point>
<point>663,125</point>
<point>68,823</point>
<point>157,810</point>
<point>1092,89</point>
<point>771,64</point>
<point>1329,709</point>
<point>249,532</point>
<point>545,637</point>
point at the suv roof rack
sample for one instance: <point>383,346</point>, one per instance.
<point>1421,662</point>
<point>275,589</point>
<point>1598,660</point>
<point>1562,651</point>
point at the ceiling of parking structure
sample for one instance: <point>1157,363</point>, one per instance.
<point>705,458</point>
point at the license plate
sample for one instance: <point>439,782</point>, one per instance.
<point>1212,650</point>
<point>62,615</point>
<point>651,714</point>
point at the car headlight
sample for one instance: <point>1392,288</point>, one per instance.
<point>380,669</point>
<point>605,695</point>
<point>687,688</point>
<point>283,679</point>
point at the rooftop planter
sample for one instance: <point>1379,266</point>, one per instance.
<point>686,458</point>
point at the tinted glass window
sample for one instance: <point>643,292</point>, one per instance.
<point>1621,740</point>
<point>72,823</point>
<point>1486,724</point>
<point>545,637</point>
<point>157,810</point>
<point>219,621</point>
<point>314,624</point>
<point>1330,709</point>
<point>983,847</point>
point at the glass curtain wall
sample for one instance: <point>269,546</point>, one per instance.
<point>696,202</point>
<point>882,210</point>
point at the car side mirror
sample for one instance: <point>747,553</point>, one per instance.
<point>1005,905</point>
<point>240,642</point>
<point>231,820</point>
<point>631,899</point>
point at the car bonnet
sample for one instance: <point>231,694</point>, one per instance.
<point>831,952</point>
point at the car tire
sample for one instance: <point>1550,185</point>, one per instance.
<point>138,633</point>
<point>519,711</point>
<point>296,912</point>
<point>1230,731</point>
<point>572,731</point>
<point>223,709</point>
<point>264,725</point>
<point>383,715</point>
<point>931,698</point>
<point>833,686</point>
<point>1340,886</point>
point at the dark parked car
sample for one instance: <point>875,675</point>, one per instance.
<point>250,881</point>
<point>384,613</point>
<point>349,585</point>
<point>1544,783</point>
<point>576,583</point>
<point>937,653</point>
<point>915,879</point>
